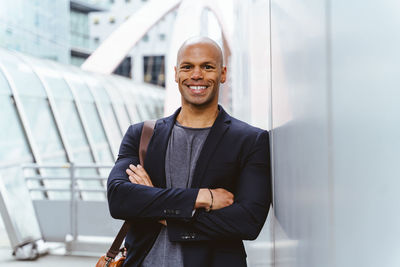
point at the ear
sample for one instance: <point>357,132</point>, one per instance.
<point>223,74</point>
<point>176,75</point>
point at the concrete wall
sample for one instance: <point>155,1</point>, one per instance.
<point>335,119</point>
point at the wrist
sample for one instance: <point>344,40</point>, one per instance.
<point>212,201</point>
<point>203,199</point>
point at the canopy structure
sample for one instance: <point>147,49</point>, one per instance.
<point>59,114</point>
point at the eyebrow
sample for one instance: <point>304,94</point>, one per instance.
<point>203,63</point>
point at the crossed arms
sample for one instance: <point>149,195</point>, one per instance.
<point>132,196</point>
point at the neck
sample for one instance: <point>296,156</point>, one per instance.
<point>197,117</point>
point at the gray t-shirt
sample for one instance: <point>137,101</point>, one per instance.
<point>183,150</point>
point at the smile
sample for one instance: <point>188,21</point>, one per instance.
<point>197,87</point>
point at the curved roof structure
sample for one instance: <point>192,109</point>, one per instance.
<point>55,113</point>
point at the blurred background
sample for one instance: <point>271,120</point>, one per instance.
<point>322,76</point>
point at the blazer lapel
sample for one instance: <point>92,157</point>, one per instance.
<point>155,156</point>
<point>217,131</point>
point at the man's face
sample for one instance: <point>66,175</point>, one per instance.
<point>198,73</point>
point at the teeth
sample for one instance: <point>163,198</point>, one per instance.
<point>197,87</point>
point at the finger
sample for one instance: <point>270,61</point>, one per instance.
<point>144,174</point>
<point>135,170</point>
<point>146,181</point>
<point>132,167</point>
<point>133,180</point>
<point>129,172</point>
<point>141,171</point>
<point>139,179</point>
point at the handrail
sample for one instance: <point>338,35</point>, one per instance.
<point>73,177</point>
<point>65,165</point>
<point>88,178</point>
<point>74,188</point>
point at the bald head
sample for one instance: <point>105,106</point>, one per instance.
<point>204,41</point>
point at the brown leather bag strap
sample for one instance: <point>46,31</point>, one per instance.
<point>147,132</point>
<point>115,246</point>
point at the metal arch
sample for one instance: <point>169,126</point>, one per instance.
<point>107,86</point>
<point>107,89</point>
<point>74,93</point>
<point>81,118</point>
<point>120,94</point>
<point>53,110</point>
<point>103,120</point>
<point>23,119</point>
<point>106,58</point>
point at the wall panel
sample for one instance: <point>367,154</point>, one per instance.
<point>366,130</point>
<point>300,121</point>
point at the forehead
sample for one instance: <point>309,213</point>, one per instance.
<point>199,52</point>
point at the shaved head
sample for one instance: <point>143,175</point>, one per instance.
<point>201,40</point>
<point>199,71</point>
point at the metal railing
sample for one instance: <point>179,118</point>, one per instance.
<point>75,182</point>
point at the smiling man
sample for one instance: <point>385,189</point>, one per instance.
<point>206,186</point>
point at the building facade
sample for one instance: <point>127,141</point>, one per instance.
<point>146,62</point>
<point>82,45</point>
<point>39,28</point>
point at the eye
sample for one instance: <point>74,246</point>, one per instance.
<point>186,67</point>
<point>208,67</point>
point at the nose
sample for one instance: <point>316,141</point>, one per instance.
<point>197,74</point>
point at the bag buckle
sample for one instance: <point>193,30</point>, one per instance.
<point>108,262</point>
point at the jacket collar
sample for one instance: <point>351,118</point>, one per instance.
<point>158,147</point>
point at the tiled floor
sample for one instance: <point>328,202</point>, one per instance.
<point>6,259</point>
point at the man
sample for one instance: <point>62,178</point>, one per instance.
<point>206,186</point>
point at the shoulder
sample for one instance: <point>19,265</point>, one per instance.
<point>246,130</point>
<point>135,129</point>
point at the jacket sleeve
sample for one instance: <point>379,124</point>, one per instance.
<point>243,219</point>
<point>130,201</point>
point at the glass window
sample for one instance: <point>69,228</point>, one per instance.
<point>117,102</point>
<point>13,145</point>
<point>14,151</point>
<point>18,203</point>
<point>129,99</point>
<point>4,87</point>
<point>36,109</point>
<point>153,69</point>
<point>67,111</point>
<point>90,116</point>
<point>23,77</point>
<point>106,109</point>
<point>40,121</point>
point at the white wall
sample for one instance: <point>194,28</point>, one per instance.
<point>336,145</point>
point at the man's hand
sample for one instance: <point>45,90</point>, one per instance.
<point>221,199</point>
<point>138,175</point>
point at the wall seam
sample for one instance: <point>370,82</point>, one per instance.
<point>271,136</point>
<point>329,106</point>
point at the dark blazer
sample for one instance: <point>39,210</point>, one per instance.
<point>235,156</point>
